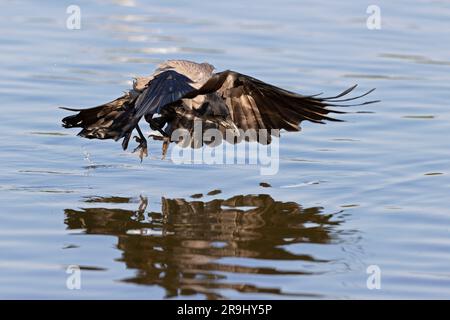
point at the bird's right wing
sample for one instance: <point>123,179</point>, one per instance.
<point>104,121</point>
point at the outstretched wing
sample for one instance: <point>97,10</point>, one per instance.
<point>254,104</point>
<point>164,89</point>
<point>105,121</point>
<point>118,118</point>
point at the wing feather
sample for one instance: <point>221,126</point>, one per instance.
<point>254,104</point>
<point>164,89</point>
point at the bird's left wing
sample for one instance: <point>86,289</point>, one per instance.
<point>254,104</point>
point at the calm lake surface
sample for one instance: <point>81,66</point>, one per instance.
<point>374,190</point>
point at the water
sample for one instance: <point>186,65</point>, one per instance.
<point>370,191</point>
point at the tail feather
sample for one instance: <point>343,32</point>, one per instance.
<point>108,121</point>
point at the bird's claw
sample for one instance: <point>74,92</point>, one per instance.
<point>142,147</point>
<point>165,145</point>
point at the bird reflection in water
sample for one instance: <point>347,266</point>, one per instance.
<point>190,247</point>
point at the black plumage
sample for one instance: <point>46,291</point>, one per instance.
<point>181,92</point>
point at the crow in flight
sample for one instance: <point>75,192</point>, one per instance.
<point>181,92</point>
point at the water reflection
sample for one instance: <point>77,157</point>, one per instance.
<point>191,247</point>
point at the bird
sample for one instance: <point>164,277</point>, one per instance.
<point>180,92</point>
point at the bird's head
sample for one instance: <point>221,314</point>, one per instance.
<point>139,83</point>
<point>209,67</point>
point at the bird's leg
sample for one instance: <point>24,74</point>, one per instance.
<point>156,126</point>
<point>157,123</point>
<point>142,147</point>
<point>165,147</point>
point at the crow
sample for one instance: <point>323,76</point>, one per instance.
<point>181,92</point>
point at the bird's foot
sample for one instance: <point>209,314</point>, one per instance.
<point>142,147</point>
<point>165,147</point>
